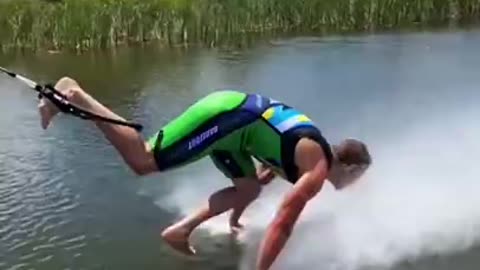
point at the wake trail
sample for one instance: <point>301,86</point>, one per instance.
<point>419,198</point>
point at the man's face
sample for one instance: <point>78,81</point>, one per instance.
<point>343,175</point>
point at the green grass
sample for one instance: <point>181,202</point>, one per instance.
<point>85,24</point>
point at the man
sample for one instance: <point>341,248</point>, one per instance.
<point>232,127</point>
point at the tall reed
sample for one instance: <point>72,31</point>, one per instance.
<point>84,24</point>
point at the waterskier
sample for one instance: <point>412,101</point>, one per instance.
<point>232,127</point>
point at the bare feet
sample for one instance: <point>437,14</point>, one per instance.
<point>47,111</point>
<point>177,238</point>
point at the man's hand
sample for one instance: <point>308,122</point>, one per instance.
<point>313,169</point>
<point>265,175</point>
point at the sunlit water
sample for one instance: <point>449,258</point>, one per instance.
<point>68,202</point>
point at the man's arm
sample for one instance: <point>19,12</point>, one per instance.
<point>314,167</point>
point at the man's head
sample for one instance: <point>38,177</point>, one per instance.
<point>351,160</point>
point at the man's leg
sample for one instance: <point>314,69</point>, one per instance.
<point>264,176</point>
<point>235,225</point>
<point>237,197</point>
<point>237,164</point>
<point>127,141</point>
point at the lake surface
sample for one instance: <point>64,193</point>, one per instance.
<point>68,202</point>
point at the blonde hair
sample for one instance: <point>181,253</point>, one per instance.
<point>352,151</point>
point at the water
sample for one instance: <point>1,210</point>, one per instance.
<point>68,202</point>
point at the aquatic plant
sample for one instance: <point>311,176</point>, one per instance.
<point>84,24</point>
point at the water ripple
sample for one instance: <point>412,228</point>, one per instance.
<point>9,237</point>
<point>19,266</point>
<point>35,203</point>
<point>42,247</point>
<point>75,247</point>
<point>28,257</point>
<point>20,244</point>
<point>74,239</point>
<point>45,259</point>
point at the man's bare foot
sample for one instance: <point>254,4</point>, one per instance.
<point>47,111</point>
<point>177,238</point>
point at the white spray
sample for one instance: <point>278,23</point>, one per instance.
<point>420,198</point>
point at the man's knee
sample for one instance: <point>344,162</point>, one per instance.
<point>143,166</point>
<point>142,169</point>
